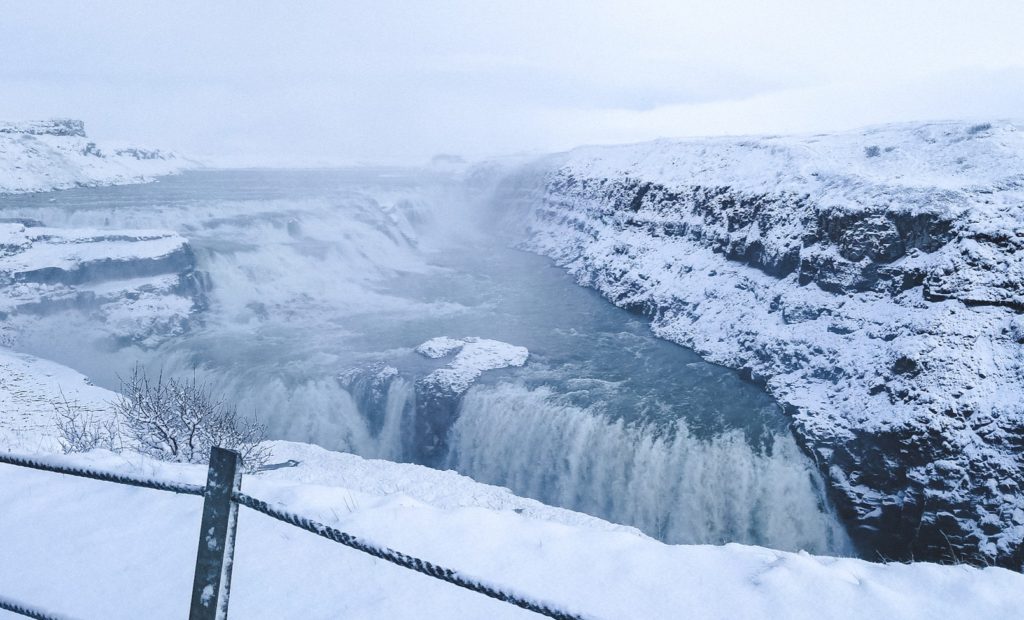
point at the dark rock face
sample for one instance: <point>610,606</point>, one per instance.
<point>436,410</point>
<point>888,328</point>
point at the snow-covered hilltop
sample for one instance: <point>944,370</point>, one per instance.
<point>38,156</point>
<point>872,280</point>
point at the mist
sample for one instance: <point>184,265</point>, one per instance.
<point>321,83</point>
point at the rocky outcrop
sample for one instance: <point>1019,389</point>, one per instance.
<point>872,281</point>
<point>37,156</point>
<point>140,285</point>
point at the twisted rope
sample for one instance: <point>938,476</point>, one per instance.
<point>24,610</point>
<point>389,555</point>
<point>401,559</point>
<point>146,483</point>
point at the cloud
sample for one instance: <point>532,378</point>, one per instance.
<point>316,82</point>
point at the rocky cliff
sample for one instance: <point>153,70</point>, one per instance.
<point>38,156</point>
<point>873,281</point>
<point>137,286</point>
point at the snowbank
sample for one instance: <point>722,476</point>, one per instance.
<point>96,549</point>
<point>871,279</point>
<point>474,357</point>
<point>37,156</point>
<point>30,387</point>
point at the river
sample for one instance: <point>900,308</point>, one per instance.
<point>320,278</point>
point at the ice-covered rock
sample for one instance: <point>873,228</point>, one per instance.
<point>872,280</point>
<point>38,156</point>
<point>438,393</point>
<point>474,356</point>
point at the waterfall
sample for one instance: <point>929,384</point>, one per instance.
<point>671,485</point>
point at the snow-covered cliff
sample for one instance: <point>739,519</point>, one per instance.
<point>873,280</point>
<point>131,285</point>
<point>135,285</point>
<point>37,156</point>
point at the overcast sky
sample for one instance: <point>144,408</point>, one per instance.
<point>307,83</point>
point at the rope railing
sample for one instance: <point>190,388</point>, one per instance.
<point>401,559</point>
<point>221,491</point>
<point>82,472</point>
<point>23,609</point>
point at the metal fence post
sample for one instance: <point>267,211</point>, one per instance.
<point>216,537</point>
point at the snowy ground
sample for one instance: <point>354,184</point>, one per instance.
<point>100,550</point>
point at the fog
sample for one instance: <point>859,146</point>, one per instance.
<point>312,83</point>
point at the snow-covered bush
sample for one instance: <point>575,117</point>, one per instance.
<point>167,419</point>
<point>81,431</point>
<point>174,420</point>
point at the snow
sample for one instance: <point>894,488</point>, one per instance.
<point>475,356</point>
<point>29,389</point>
<point>39,156</point>
<point>81,545</point>
<point>41,247</point>
<point>78,546</point>
<point>699,232</point>
<point>926,156</point>
<point>439,347</point>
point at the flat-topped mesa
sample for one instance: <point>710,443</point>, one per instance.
<point>51,127</point>
<point>45,155</point>
<point>871,280</point>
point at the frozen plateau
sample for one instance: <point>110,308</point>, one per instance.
<point>870,281</point>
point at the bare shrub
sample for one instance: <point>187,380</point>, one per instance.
<point>80,431</point>
<point>175,420</point>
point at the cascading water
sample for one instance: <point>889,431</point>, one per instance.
<point>324,282</point>
<point>670,484</point>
